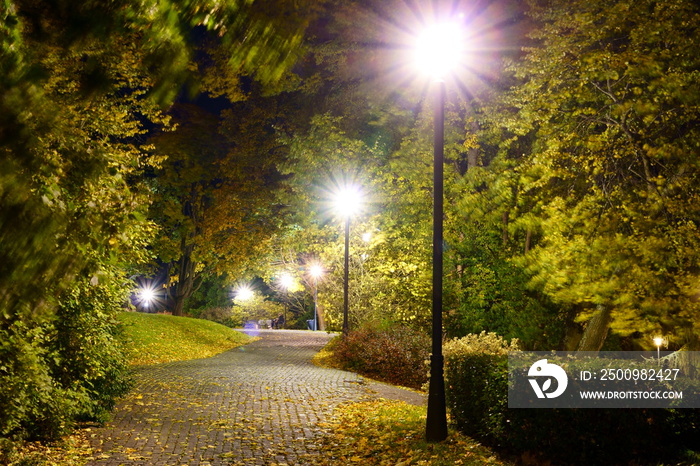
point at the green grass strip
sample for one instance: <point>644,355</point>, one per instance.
<point>156,338</point>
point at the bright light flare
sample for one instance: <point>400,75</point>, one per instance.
<point>658,341</point>
<point>439,49</point>
<point>316,271</point>
<point>147,296</point>
<point>348,201</point>
<point>244,293</point>
<point>287,281</point>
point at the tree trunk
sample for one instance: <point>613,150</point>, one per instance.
<point>528,240</point>
<point>596,331</point>
<point>573,333</point>
<point>185,283</point>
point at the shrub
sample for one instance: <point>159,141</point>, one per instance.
<point>394,354</point>
<point>68,368</point>
<point>476,383</point>
<point>89,355</point>
<point>222,315</point>
<point>476,386</point>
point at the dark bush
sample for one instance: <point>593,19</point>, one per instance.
<point>390,353</point>
<point>476,384</point>
<point>69,368</point>
<point>89,356</point>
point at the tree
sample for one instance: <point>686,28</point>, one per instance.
<point>215,198</point>
<point>59,351</point>
<point>608,97</point>
<point>256,307</point>
<point>79,87</point>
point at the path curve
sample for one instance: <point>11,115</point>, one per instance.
<point>254,405</point>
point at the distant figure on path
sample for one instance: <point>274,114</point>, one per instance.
<point>278,322</point>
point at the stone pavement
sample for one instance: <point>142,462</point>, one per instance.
<point>255,405</point>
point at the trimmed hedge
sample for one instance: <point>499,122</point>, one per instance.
<point>395,354</point>
<point>476,385</point>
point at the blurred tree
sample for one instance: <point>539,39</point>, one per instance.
<point>608,101</point>
<point>80,84</point>
<point>76,188</point>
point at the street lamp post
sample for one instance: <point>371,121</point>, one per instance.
<point>438,52</point>
<point>436,422</point>
<point>242,294</point>
<point>316,271</point>
<point>347,202</point>
<point>658,341</point>
<point>346,276</point>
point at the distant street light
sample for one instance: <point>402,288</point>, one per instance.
<point>347,202</point>
<point>243,293</point>
<point>316,271</point>
<point>438,52</point>
<point>658,341</point>
<point>147,296</point>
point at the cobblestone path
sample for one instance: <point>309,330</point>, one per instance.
<point>255,405</point>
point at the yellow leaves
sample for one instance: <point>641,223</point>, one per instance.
<point>72,450</point>
<point>391,433</point>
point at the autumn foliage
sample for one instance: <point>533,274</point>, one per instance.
<point>476,383</point>
<point>391,353</point>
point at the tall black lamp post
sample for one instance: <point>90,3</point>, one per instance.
<point>347,202</point>
<point>438,51</point>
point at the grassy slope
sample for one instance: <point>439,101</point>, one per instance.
<point>156,338</point>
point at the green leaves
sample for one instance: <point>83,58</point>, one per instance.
<point>80,86</point>
<point>611,100</point>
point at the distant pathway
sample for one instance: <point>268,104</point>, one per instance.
<point>255,405</point>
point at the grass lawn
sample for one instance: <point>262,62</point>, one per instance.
<point>157,338</point>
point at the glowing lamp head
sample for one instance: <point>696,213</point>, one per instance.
<point>147,296</point>
<point>316,271</point>
<point>658,341</point>
<point>348,201</point>
<point>244,293</point>
<point>439,49</point>
<point>286,281</point>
